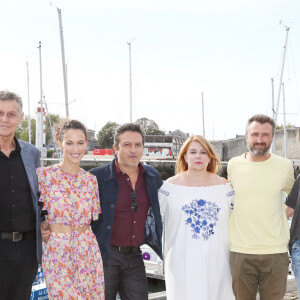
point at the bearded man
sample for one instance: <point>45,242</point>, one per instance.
<point>259,232</point>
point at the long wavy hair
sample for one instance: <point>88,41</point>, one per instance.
<point>214,164</point>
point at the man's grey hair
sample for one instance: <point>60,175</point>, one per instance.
<point>10,96</point>
<point>128,127</point>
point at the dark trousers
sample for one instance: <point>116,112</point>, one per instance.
<point>125,273</point>
<point>18,267</point>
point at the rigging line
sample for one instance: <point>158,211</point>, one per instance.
<point>49,120</point>
<point>123,83</point>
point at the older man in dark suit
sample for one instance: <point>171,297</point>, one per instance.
<point>20,243</point>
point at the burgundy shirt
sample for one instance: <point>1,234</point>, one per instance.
<point>128,227</point>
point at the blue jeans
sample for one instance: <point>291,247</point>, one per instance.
<point>296,262</point>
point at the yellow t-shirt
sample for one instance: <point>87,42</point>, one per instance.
<point>258,223</point>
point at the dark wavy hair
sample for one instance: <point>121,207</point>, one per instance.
<point>128,127</point>
<point>66,124</point>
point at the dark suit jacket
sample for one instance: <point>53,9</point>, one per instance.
<point>31,159</point>
<point>108,192</point>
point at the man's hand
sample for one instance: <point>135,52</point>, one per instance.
<point>45,231</point>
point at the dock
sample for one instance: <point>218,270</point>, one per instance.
<point>158,296</point>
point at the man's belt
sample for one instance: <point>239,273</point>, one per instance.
<point>17,236</point>
<point>127,249</point>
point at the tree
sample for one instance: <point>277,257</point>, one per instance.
<point>51,121</point>
<point>149,126</point>
<point>289,125</point>
<point>22,131</point>
<point>106,135</point>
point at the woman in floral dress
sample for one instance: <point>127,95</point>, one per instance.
<point>72,262</point>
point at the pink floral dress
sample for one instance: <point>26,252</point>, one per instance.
<point>72,262</point>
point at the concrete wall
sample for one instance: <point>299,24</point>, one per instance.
<point>234,147</point>
<point>238,146</point>
<point>218,147</point>
<point>293,143</point>
<point>230,148</point>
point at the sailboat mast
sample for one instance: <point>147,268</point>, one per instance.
<point>28,96</point>
<point>42,108</point>
<point>63,61</point>
<point>284,123</point>
<point>130,84</point>
<point>281,73</point>
<point>274,113</point>
<point>203,114</point>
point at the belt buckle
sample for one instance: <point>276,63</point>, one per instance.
<point>17,236</point>
<point>121,249</point>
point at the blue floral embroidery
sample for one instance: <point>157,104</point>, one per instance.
<point>202,217</point>
<point>164,192</point>
<point>231,194</point>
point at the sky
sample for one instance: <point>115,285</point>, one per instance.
<point>227,51</point>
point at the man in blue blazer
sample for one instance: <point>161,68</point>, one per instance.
<point>20,242</point>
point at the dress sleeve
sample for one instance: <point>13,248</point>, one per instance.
<point>230,196</point>
<point>163,195</point>
<point>96,209</point>
<point>42,174</point>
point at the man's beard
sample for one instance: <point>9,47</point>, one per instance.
<point>260,151</point>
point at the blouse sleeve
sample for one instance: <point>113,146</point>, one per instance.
<point>41,173</point>
<point>163,199</point>
<point>230,196</point>
<point>96,209</point>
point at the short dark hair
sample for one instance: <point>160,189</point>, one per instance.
<point>66,124</point>
<point>7,95</point>
<point>262,119</point>
<point>128,127</point>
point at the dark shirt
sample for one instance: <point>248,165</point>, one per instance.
<point>16,207</point>
<point>128,226</point>
<point>293,201</point>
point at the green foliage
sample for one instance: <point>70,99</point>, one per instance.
<point>51,120</point>
<point>149,126</point>
<point>106,135</point>
<point>50,153</point>
<point>22,131</point>
<point>289,125</point>
<point>165,171</point>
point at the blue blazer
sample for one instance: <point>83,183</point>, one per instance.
<point>108,193</point>
<point>31,159</point>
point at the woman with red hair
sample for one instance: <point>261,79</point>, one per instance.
<point>196,204</point>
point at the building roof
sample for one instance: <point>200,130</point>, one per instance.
<point>178,133</point>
